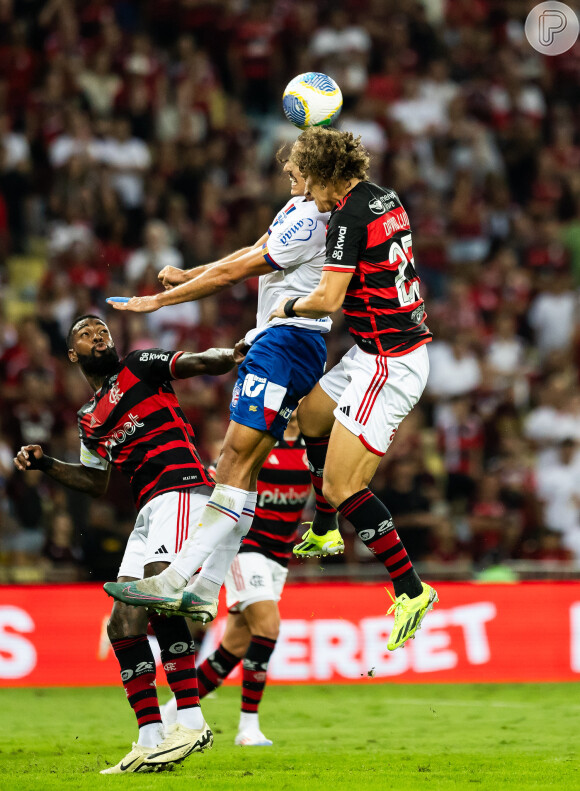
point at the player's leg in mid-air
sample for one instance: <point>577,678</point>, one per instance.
<point>159,525</point>
<point>363,400</point>
<point>253,588</point>
<point>282,366</point>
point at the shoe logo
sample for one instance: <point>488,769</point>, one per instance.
<point>133,594</point>
<point>123,767</point>
<point>162,550</point>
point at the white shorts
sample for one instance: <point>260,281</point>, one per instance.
<point>373,393</point>
<point>162,525</point>
<point>252,577</point>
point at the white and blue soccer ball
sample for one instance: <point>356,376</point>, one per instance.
<point>312,99</point>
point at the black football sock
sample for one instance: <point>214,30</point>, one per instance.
<point>325,517</point>
<point>374,526</point>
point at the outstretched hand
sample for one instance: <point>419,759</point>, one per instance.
<point>171,276</point>
<point>137,304</point>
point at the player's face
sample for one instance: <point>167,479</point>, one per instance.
<point>324,195</point>
<point>93,347</point>
<point>297,186</point>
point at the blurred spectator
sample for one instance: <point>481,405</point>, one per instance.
<point>559,491</point>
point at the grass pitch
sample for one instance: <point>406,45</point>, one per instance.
<point>377,736</point>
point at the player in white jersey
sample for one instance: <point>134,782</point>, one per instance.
<point>285,360</point>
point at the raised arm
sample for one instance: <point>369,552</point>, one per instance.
<point>213,278</point>
<point>74,476</point>
<point>171,276</point>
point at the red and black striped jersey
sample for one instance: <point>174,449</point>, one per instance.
<point>283,489</point>
<point>135,422</point>
<point>369,235</point>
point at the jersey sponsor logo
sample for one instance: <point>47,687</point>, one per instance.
<point>317,472</point>
<point>339,246</point>
<point>129,428</point>
<point>301,231</point>
<point>272,459</point>
<point>152,356</point>
<point>381,205</point>
<point>115,395</point>
<point>286,412</point>
<point>253,385</point>
<point>236,395</point>
<point>278,497</point>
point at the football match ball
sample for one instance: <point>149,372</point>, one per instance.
<point>312,99</point>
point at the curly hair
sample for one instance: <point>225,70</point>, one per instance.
<point>329,155</point>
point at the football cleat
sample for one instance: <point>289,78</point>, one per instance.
<point>252,738</point>
<point>313,546</point>
<point>132,762</point>
<point>178,744</point>
<point>409,614</point>
<point>150,593</point>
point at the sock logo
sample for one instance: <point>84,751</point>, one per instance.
<point>162,550</point>
<point>144,667</point>
<point>178,648</point>
<point>170,667</point>
<point>126,674</point>
<point>385,526</point>
<point>366,535</point>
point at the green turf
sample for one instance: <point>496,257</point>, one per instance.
<point>380,736</point>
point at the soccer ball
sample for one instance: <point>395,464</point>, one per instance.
<point>312,99</point>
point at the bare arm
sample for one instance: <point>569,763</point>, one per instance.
<point>215,277</point>
<point>172,276</point>
<point>212,362</point>
<point>74,476</point>
<point>327,297</point>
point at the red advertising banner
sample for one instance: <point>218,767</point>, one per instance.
<point>56,635</point>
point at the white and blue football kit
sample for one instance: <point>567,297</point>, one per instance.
<point>287,356</point>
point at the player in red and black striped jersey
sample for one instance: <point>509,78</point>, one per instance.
<point>255,581</point>
<point>350,418</point>
<point>134,422</point>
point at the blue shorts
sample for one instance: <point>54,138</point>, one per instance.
<point>282,366</point>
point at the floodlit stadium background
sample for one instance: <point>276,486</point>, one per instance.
<point>139,134</point>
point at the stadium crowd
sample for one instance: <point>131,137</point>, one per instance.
<point>137,134</point>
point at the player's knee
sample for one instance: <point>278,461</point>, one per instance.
<point>269,627</point>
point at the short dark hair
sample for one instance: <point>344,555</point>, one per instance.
<point>74,324</point>
<point>330,155</point>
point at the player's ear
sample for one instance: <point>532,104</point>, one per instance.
<point>72,355</point>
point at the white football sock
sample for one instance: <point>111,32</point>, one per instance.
<point>249,721</point>
<point>190,718</point>
<point>219,518</point>
<point>150,735</point>
<point>169,712</point>
<point>213,572</point>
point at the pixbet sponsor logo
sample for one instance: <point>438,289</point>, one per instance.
<point>129,428</point>
<point>277,497</point>
<point>552,28</point>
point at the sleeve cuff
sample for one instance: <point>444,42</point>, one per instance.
<point>269,260</point>
<point>172,362</point>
